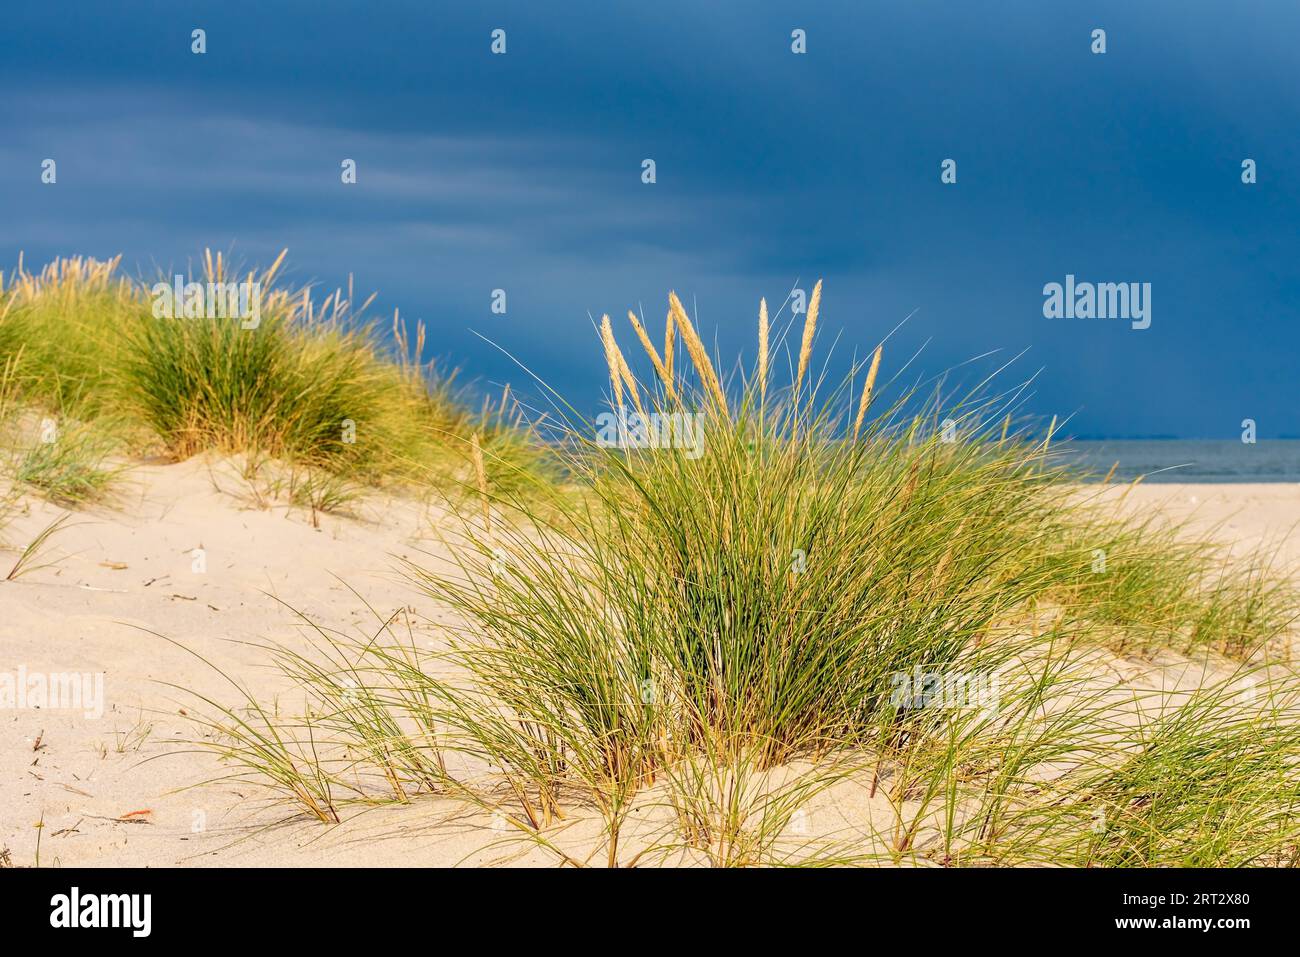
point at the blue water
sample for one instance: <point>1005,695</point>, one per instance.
<point>1189,460</point>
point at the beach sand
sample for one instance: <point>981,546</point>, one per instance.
<point>120,789</point>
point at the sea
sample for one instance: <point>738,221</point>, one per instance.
<point>1187,460</point>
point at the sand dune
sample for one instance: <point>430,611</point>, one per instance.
<point>186,554</point>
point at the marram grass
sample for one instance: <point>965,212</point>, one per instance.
<point>706,641</point>
<point>311,383</point>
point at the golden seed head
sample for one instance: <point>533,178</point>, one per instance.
<point>648,346</point>
<point>615,373</point>
<point>480,475</point>
<point>670,336</point>
<point>809,328</point>
<point>699,354</point>
<point>628,380</point>
<point>866,391</point>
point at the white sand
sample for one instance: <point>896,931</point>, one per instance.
<point>87,615</point>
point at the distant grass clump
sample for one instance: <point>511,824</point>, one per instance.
<point>752,600</point>
<point>300,385</point>
<point>303,381</point>
<point>63,330</point>
<point>1158,587</point>
<point>60,457</point>
<point>70,466</point>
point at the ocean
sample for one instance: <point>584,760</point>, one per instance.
<point>1188,460</point>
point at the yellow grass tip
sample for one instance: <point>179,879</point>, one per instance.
<point>809,329</point>
<point>699,354</point>
<point>867,387</point>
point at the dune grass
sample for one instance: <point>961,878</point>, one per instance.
<point>1159,587</point>
<point>34,556</point>
<point>699,634</point>
<point>302,385</point>
<point>310,382</point>
<point>1070,771</point>
<point>71,469</point>
<point>56,455</point>
<point>62,328</point>
<point>712,636</point>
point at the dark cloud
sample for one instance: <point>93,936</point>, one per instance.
<point>522,172</point>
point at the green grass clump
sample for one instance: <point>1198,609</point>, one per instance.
<point>307,382</point>
<point>1071,771</point>
<point>299,386</point>
<point>1213,782</point>
<point>66,460</point>
<point>72,467</point>
<point>1160,588</point>
<point>714,626</point>
<point>62,330</point>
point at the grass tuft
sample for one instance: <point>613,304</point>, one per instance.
<point>712,623</point>
<point>313,383</point>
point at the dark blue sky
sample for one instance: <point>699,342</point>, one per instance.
<point>523,172</point>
